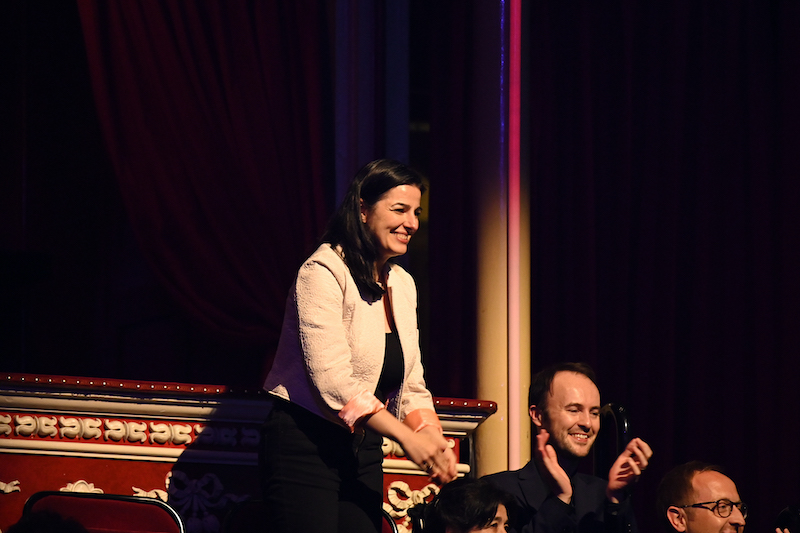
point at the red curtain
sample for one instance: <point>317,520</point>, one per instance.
<point>215,116</point>
<point>664,163</point>
<point>463,74</point>
<point>662,152</point>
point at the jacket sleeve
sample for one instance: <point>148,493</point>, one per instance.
<point>555,516</point>
<point>619,518</point>
<point>321,315</point>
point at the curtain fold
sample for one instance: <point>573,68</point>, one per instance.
<point>216,117</point>
<point>665,230</point>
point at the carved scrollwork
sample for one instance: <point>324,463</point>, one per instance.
<point>402,498</point>
<point>160,494</point>
<point>70,427</point>
<point>204,434</point>
<point>11,486</point>
<point>390,447</point>
<point>47,426</point>
<point>225,436</point>
<point>91,428</point>
<point>81,486</point>
<point>404,525</point>
<point>155,493</point>
<point>119,430</point>
<point>197,499</point>
<point>5,425</point>
<point>115,430</point>
<point>85,428</point>
<point>250,437</point>
<point>136,431</point>
<point>43,426</point>
<point>73,427</point>
<point>160,433</point>
<point>170,433</point>
<point>25,425</point>
<point>181,433</point>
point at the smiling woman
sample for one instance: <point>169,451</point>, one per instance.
<point>392,220</point>
<point>348,369</point>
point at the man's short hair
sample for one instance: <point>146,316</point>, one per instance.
<point>676,488</point>
<point>542,382</point>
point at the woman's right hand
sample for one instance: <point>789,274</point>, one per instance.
<point>431,452</point>
<point>427,448</point>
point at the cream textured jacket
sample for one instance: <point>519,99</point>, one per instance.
<point>332,343</point>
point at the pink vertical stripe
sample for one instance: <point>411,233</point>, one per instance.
<point>514,199</point>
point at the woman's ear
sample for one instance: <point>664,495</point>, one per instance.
<point>363,211</point>
<point>677,518</point>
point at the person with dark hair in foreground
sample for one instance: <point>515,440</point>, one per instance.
<point>466,506</point>
<point>348,368</point>
<point>550,494</point>
<point>698,497</point>
<point>46,522</point>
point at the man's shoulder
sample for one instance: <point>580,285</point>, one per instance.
<point>503,478</point>
<point>505,474</point>
<point>508,479</point>
<point>522,472</point>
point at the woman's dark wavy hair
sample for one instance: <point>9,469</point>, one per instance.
<point>345,228</point>
<point>463,505</point>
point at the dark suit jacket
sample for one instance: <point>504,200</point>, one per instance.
<point>538,511</point>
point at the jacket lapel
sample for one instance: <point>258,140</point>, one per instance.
<point>532,487</point>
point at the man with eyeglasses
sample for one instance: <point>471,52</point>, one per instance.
<point>551,495</point>
<point>697,497</point>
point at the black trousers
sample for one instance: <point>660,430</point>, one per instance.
<point>316,476</point>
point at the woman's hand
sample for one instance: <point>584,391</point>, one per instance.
<point>442,466</point>
<point>432,453</point>
<point>427,448</point>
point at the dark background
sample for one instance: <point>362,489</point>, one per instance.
<point>159,192</point>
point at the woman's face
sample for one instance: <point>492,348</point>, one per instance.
<point>498,525</point>
<point>392,220</point>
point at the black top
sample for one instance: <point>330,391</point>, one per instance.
<point>393,368</point>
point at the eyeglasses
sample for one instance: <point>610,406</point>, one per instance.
<point>721,508</point>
